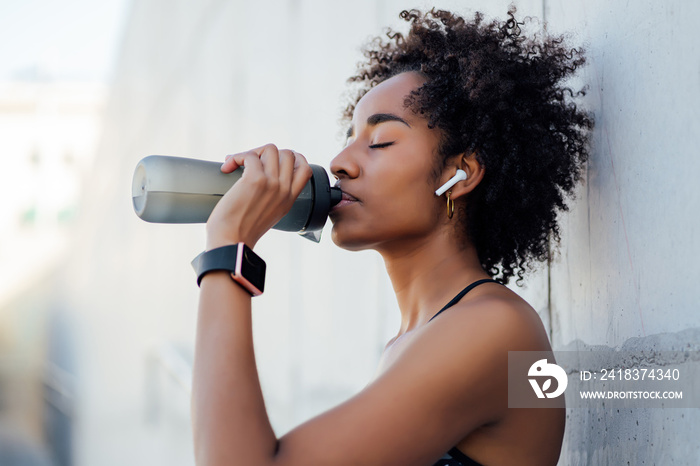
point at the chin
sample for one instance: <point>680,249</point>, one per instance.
<point>347,241</point>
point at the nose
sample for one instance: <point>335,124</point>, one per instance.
<point>344,165</point>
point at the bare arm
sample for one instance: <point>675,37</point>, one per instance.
<point>230,421</point>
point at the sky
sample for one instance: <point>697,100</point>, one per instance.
<point>67,39</point>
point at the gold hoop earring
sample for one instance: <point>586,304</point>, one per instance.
<point>450,205</point>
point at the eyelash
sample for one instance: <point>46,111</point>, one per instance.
<point>381,146</point>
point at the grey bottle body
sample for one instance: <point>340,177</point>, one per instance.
<point>169,189</point>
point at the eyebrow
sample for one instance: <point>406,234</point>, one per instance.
<point>378,118</point>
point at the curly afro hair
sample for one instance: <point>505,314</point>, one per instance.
<point>495,93</point>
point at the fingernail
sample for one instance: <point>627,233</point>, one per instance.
<point>228,157</point>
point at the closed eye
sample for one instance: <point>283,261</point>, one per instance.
<point>382,145</point>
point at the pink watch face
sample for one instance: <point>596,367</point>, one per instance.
<point>250,270</point>
<point>241,280</point>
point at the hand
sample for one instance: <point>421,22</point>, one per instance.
<point>271,182</point>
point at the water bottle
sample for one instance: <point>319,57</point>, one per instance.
<point>181,190</point>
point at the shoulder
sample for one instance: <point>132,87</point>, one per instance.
<point>450,379</point>
<point>465,349</point>
<point>490,317</point>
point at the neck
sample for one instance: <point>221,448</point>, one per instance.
<point>427,272</point>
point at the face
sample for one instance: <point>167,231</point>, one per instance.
<point>387,166</point>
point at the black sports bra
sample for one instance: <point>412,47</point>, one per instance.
<point>454,457</point>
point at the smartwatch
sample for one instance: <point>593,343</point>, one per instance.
<point>246,268</point>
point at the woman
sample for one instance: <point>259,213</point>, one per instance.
<point>450,95</point>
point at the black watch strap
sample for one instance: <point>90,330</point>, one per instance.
<point>245,267</point>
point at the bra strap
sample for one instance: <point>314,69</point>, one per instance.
<point>462,293</point>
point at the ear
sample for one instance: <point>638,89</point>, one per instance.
<point>475,173</point>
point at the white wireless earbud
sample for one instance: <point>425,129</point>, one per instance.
<point>460,176</point>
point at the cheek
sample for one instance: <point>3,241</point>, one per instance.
<point>401,203</point>
<point>406,193</point>
<point>410,208</point>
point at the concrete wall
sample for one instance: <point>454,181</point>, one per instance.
<point>627,272</point>
<point>207,78</point>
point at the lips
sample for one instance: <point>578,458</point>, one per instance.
<point>345,200</point>
<point>348,197</point>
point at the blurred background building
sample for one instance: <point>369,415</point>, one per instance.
<point>98,309</point>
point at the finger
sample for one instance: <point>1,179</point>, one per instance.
<point>254,169</point>
<point>302,174</point>
<point>269,156</point>
<point>229,164</point>
<point>287,161</point>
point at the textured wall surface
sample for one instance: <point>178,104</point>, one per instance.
<point>207,78</point>
<point>627,270</point>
